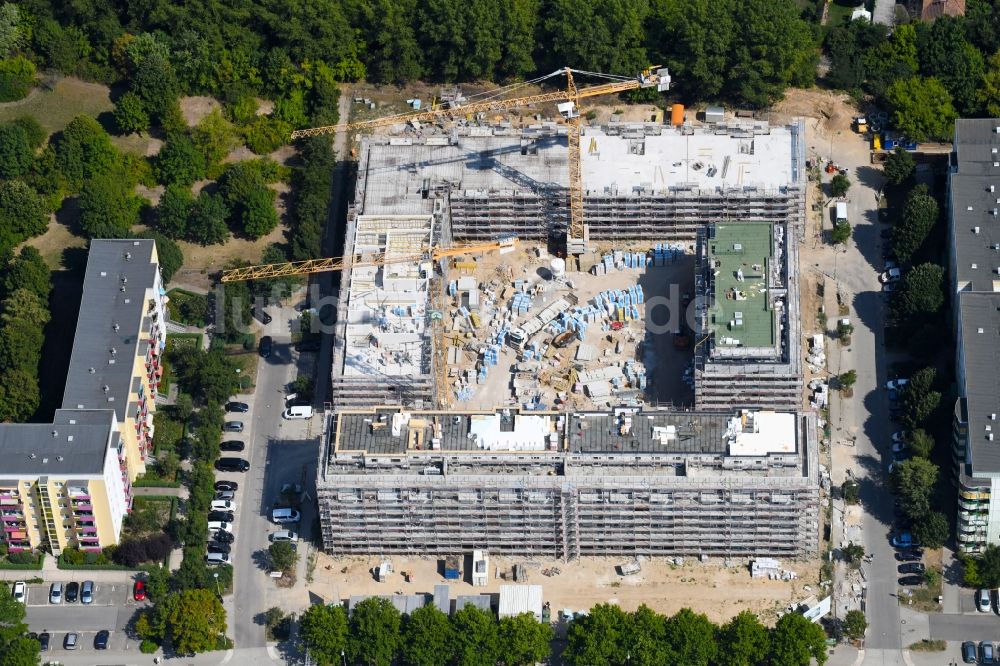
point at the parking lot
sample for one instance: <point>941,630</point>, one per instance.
<point>112,609</point>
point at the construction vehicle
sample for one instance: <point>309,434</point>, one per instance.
<point>310,266</point>
<point>568,105</point>
<point>860,124</point>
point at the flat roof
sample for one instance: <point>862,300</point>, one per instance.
<point>74,444</point>
<point>977,144</point>
<point>618,159</point>
<point>742,315</point>
<point>976,230</point>
<point>391,430</point>
<point>387,305</point>
<point>114,297</point>
<point>980,355</point>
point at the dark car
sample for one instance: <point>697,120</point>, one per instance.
<point>232,465</point>
<point>43,640</point>
<point>226,485</point>
<point>240,407</point>
<point>311,345</point>
<point>232,445</point>
<point>72,592</point>
<point>907,581</point>
<point>224,516</point>
<point>909,555</point>
<point>232,426</point>
<point>969,652</point>
<point>265,346</point>
<point>986,654</point>
<point>101,639</point>
<point>224,537</point>
<point>219,548</point>
<point>262,316</point>
<point>911,568</point>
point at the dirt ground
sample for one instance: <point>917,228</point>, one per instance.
<point>201,262</point>
<point>195,108</point>
<point>57,238</point>
<point>708,588</point>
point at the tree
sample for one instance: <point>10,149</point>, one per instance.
<point>920,213</point>
<point>839,185</point>
<point>851,491</point>
<point>28,271</point>
<point>192,620</point>
<point>919,399</point>
<point>921,292</point>
<point>21,322</point>
<point>155,83</point>
<point>932,530</point>
<point>988,95</point>
<point>22,651</point>
<point>265,134</point>
<point>855,624</point>
<point>846,379</point>
<point>922,108</point>
<point>987,565</point>
<point>11,616</point>
<point>107,209</point>
<point>258,215</point>
<point>946,55</point>
<point>16,153</point>
<point>921,443</point>
<point>180,162</point>
<point>283,556</point>
<point>130,114</point>
<point>19,395</point>
<point>744,640</point>
<point>33,130</point>
<point>796,641</point>
<point>84,151</point>
<point>11,32</point>
<point>524,641</point>
<point>324,631</point>
<point>173,211</point>
<point>598,638</point>
<point>428,638</point>
<point>841,232</point>
<point>646,637</point>
<point>477,637</point>
<point>17,77</point>
<point>207,221</point>
<point>374,632</point>
<point>853,552</point>
<point>690,638</point>
<point>899,166</point>
<point>22,214</point>
<point>846,46</point>
<point>215,137</point>
<point>914,481</point>
<point>311,187</point>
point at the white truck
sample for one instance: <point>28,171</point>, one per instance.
<point>840,212</point>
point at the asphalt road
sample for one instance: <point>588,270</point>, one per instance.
<point>965,627</point>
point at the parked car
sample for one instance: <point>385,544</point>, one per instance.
<point>223,525</point>
<point>893,395</point>
<point>71,641</point>
<point>983,601</point>
<point>225,495</point>
<point>215,559</point>
<point>239,407</point>
<point>888,287</point>
<point>101,639</point>
<point>219,548</point>
<point>986,652</point>
<point>139,590</point>
<point>226,485</point>
<point>969,652</point>
<point>910,581</point>
<point>890,275</point>
<point>265,346</point>
<point>902,540</point>
<point>224,516</point>
<point>233,445</point>
<point>223,537</point>
<point>909,555</point>
<point>55,593</point>
<point>283,535</point>
<point>222,505</point>
<point>232,426</point>
<point>911,568</point>
<point>899,437</point>
<point>44,639</point>
<point>72,592</point>
<point>285,515</point>
<point>87,592</point>
<point>261,315</point>
<point>896,384</point>
<point>898,447</point>
<point>19,591</point>
<point>232,465</point>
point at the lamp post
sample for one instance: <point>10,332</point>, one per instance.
<point>215,575</point>
<point>343,659</point>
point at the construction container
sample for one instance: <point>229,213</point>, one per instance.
<point>715,114</point>
<point>480,568</point>
<point>453,567</point>
<point>518,599</point>
<point>677,115</point>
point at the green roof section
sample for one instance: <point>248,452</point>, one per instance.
<point>742,255</point>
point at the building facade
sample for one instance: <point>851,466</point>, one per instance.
<point>567,485</point>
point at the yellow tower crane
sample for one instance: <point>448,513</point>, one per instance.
<point>568,101</point>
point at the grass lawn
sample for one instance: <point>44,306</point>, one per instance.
<point>246,361</point>
<point>840,11</point>
<point>925,597</point>
<point>150,513</point>
<point>67,99</point>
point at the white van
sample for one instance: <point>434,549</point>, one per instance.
<point>285,515</point>
<point>298,412</point>
<point>841,212</point>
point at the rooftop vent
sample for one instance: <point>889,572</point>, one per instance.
<point>115,326</point>
<point>975,230</point>
<point>993,188</point>
<point>45,461</point>
<point>107,388</point>
<point>113,351</point>
<point>32,455</point>
<point>59,458</point>
<point>969,208</point>
<point>70,438</point>
<point>993,416</point>
<point>974,266</point>
<point>55,433</point>
<point>980,331</point>
<point>990,437</point>
<point>128,256</point>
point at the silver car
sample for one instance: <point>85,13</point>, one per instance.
<point>87,592</point>
<point>56,593</point>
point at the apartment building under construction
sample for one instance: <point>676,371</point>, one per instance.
<point>566,485</point>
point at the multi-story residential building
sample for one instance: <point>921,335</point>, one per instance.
<point>974,229</point>
<point>566,485</point>
<point>69,483</point>
<point>62,483</point>
<point>120,336</point>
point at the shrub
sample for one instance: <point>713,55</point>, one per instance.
<point>266,134</point>
<point>17,76</point>
<point>148,646</point>
<point>35,132</point>
<point>22,558</point>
